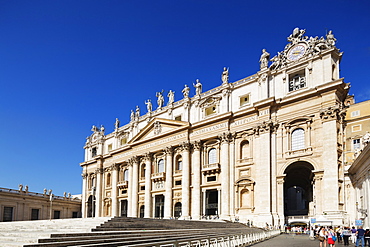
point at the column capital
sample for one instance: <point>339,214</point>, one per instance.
<point>185,146</point>
<point>84,175</point>
<point>197,145</point>
<point>147,157</point>
<point>168,150</point>
<point>227,137</point>
<point>114,167</point>
<point>99,170</point>
<point>133,160</point>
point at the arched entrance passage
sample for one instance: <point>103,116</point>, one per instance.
<point>298,190</point>
<point>91,206</point>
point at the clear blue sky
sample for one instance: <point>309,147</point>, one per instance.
<point>68,65</point>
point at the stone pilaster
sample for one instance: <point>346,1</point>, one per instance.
<point>280,199</point>
<point>114,190</point>
<point>185,181</point>
<point>129,190</point>
<point>196,196</point>
<point>148,186</point>
<point>168,184</point>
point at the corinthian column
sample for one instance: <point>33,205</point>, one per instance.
<point>99,198</point>
<point>84,194</point>
<point>225,175</point>
<point>134,186</point>
<point>148,186</point>
<point>114,190</point>
<point>196,197</point>
<point>169,178</point>
<point>185,181</point>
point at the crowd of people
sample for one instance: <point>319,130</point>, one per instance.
<point>330,235</point>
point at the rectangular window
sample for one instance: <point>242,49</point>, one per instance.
<point>74,214</point>
<point>211,179</point>
<point>8,214</point>
<point>124,192</point>
<point>35,214</point>
<point>244,100</point>
<point>210,110</point>
<point>142,187</point>
<point>110,147</point>
<point>178,118</point>
<point>356,128</point>
<point>297,81</point>
<point>355,113</point>
<point>178,182</point>
<point>356,144</point>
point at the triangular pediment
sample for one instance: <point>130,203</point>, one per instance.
<point>158,127</point>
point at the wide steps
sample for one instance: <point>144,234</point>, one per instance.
<point>132,237</point>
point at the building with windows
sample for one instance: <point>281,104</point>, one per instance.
<point>267,148</point>
<point>21,204</point>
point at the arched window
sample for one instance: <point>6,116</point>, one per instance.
<point>212,159</point>
<point>298,139</point>
<point>142,171</point>
<point>244,150</point>
<point>109,179</point>
<point>178,166</point>
<point>125,175</point>
<point>160,166</point>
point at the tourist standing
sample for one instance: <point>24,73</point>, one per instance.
<point>322,236</point>
<point>332,236</point>
<point>346,235</point>
<point>353,236</point>
<point>360,235</point>
<point>339,234</point>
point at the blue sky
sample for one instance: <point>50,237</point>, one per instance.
<point>68,65</point>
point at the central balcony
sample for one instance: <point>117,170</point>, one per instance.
<point>211,168</point>
<point>160,176</point>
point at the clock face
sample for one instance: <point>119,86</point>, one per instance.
<point>296,52</point>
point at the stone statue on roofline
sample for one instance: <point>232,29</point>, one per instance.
<point>264,59</point>
<point>148,105</point>
<point>186,91</point>
<point>366,138</point>
<point>160,100</point>
<point>171,97</point>
<point>296,36</point>
<point>198,87</point>
<point>132,115</point>
<point>330,40</point>
<point>137,114</point>
<point>116,124</point>
<point>225,76</point>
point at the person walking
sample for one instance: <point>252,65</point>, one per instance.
<point>346,235</point>
<point>332,236</point>
<point>367,237</point>
<point>322,236</point>
<point>339,231</point>
<point>353,235</point>
<point>360,235</point>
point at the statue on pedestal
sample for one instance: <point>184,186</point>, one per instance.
<point>225,76</point>
<point>160,99</point>
<point>171,97</point>
<point>186,91</point>
<point>148,105</point>
<point>198,87</point>
<point>264,59</point>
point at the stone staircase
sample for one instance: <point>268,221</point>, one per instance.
<point>19,233</point>
<point>118,231</point>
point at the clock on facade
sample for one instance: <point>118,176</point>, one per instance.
<point>296,52</point>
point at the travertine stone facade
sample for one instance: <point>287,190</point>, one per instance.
<point>259,149</point>
<point>21,204</point>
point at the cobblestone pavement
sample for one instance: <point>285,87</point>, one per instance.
<point>292,240</point>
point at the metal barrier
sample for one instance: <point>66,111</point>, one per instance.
<point>224,241</point>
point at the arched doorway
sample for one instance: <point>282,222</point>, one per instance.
<point>298,190</point>
<point>178,208</point>
<point>91,206</point>
<point>142,210</point>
